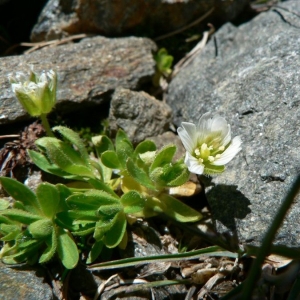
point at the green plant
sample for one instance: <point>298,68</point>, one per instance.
<point>43,222</point>
<point>28,228</point>
<point>163,66</point>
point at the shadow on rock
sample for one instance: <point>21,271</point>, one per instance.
<point>228,204</point>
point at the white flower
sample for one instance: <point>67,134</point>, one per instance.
<point>209,146</point>
<point>37,94</point>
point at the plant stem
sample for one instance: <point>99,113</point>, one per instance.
<point>46,125</point>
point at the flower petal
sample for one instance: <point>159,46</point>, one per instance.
<point>230,152</point>
<point>219,124</point>
<point>193,164</point>
<point>188,135</point>
<point>209,124</point>
<point>227,138</point>
<point>204,125</point>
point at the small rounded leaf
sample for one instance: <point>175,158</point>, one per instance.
<point>133,202</point>
<point>110,159</point>
<point>41,228</point>
<point>67,249</point>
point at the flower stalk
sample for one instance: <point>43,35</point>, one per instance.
<point>46,125</point>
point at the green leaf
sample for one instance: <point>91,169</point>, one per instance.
<point>109,210</point>
<point>134,261</point>
<point>163,157</point>
<point>77,216</point>
<point>91,200</point>
<point>133,202</point>
<point>157,176</point>
<point>110,159</point>
<point>74,138</point>
<point>20,216</point>
<point>124,148</point>
<point>26,242</point>
<point>64,193</point>
<point>82,202</point>
<point>144,154</point>
<point>178,210</point>
<point>86,230</point>
<point>7,228</point>
<point>7,249</point>
<point>100,185</point>
<point>10,236</point>
<point>42,162</point>
<point>19,205</point>
<point>145,159</point>
<point>5,220</point>
<point>170,175</point>
<point>102,143</point>
<point>4,204</point>
<point>67,249</point>
<point>95,251</point>
<point>41,228</point>
<point>64,220</point>
<point>9,232</point>
<point>143,147</point>
<point>213,170</point>
<point>139,175</point>
<point>178,175</point>
<point>65,157</point>
<point>23,254</point>
<point>103,225</point>
<point>48,197</point>
<point>163,61</point>
<point>21,193</point>
<point>51,248</point>
<point>113,237</point>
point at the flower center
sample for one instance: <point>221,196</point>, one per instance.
<point>205,153</point>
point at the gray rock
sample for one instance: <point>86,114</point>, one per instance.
<point>148,18</point>
<point>25,284</point>
<point>88,72</point>
<point>251,76</point>
<point>138,114</point>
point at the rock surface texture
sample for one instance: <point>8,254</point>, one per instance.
<point>88,72</point>
<point>250,75</point>
<point>153,17</point>
<point>138,114</point>
<point>24,284</point>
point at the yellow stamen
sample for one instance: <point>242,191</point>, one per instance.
<point>205,152</point>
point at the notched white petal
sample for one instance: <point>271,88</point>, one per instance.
<point>233,149</point>
<point>219,124</point>
<point>204,123</point>
<point>227,138</point>
<point>193,164</point>
<point>191,129</point>
<point>186,139</point>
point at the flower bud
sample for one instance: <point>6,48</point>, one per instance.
<point>36,93</point>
